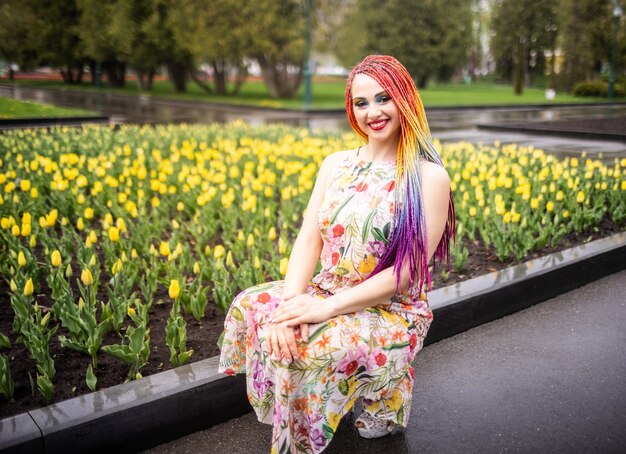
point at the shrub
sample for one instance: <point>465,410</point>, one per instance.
<point>598,89</point>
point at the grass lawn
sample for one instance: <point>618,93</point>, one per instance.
<point>329,93</point>
<point>11,108</point>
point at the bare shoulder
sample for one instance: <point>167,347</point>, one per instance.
<point>336,157</point>
<point>434,176</point>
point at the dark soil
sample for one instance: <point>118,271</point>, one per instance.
<point>71,366</point>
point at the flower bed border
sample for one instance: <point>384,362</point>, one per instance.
<point>144,413</point>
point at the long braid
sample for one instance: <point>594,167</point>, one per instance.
<point>408,240</point>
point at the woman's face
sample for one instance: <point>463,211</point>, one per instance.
<point>376,113</point>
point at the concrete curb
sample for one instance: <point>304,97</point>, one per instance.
<point>168,405</point>
<point>44,122</point>
<point>528,129</point>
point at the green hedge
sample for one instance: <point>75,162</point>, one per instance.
<point>597,88</point>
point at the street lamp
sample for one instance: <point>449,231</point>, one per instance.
<point>308,92</point>
<point>617,13</point>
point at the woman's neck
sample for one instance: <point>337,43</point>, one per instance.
<point>378,151</point>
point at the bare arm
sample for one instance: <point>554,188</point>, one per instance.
<point>308,245</point>
<point>379,288</point>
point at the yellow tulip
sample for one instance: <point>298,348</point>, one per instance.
<point>219,251</point>
<point>550,206</point>
<point>28,288</point>
<point>196,268</point>
<point>580,197</point>
<point>133,254</point>
<point>271,234</point>
<point>131,311</point>
<point>25,230</point>
<point>13,286</point>
<point>164,249</point>
<point>88,213</point>
<point>257,263</point>
<point>21,259</point>
<point>80,225</point>
<point>472,211</point>
<point>55,258</point>
<point>565,214</point>
<point>68,271</point>
<point>86,277</point>
<point>114,234</point>
<point>117,267</point>
<point>534,203</point>
<point>32,242</point>
<point>250,240</point>
<point>174,290</point>
<point>283,265</point>
<point>229,260</point>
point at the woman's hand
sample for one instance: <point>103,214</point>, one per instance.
<point>303,309</point>
<point>281,342</point>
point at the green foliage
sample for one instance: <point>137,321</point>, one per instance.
<point>429,37</point>
<point>597,88</point>
<point>586,28</point>
<point>523,30</point>
<point>176,337</point>
<point>6,382</point>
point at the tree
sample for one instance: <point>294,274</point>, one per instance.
<point>431,38</point>
<point>337,24</point>
<point>98,40</point>
<point>278,47</point>
<point>18,23</point>
<point>522,32</point>
<point>42,32</point>
<point>218,33</point>
<point>586,39</point>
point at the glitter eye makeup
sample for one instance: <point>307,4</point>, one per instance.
<point>380,98</point>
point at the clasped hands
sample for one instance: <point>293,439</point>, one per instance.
<point>297,311</point>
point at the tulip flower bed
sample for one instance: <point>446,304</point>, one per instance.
<point>122,248</point>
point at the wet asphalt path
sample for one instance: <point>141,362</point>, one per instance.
<point>548,379</point>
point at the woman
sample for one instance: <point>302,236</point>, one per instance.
<point>377,214</point>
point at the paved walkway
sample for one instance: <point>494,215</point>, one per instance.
<point>549,379</point>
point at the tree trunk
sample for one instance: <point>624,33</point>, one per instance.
<point>150,79</point>
<point>79,76</point>
<point>518,69</point>
<point>92,71</point>
<point>144,78</point>
<point>203,85</point>
<point>219,76</point>
<point>240,78</point>
<point>116,73</point>
<point>177,73</point>
<point>278,81</point>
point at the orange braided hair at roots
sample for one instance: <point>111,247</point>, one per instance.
<point>408,242</point>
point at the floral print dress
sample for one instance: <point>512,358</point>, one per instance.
<point>365,355</point>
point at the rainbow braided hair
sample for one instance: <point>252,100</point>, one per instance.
<point>408,240</point>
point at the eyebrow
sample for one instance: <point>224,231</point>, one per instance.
<point>384,92</point>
